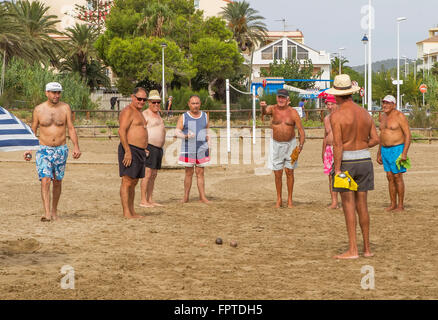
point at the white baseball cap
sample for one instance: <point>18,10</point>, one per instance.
<point>53,86</point>
<point>389,98</point>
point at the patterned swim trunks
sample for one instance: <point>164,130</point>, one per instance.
<point>328,159</point>
<point>51,161</point>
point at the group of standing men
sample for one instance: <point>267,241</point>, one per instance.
<point>349,133</point>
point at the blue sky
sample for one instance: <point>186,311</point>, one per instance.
<point>329,25</point>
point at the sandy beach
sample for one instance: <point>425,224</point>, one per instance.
<point>171,253</point>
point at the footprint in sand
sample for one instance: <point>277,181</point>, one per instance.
<point>19,246</point>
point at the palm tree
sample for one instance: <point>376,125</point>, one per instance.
<point>95,71</point>
<point>37,27</point>
<point>335,66</point>
<point>80,46</point>
<point>248,28</point>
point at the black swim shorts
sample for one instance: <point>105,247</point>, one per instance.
<point>362,172</point>
<point>153,160</point>
<point>136,169</point>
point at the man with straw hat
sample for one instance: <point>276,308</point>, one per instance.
<point>354,132</point>
<point>156,140</point>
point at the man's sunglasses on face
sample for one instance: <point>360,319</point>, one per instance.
<point>141,99</point>
<point>155,102</point>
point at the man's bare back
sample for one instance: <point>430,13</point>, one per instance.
<point>155,128</point>
<point>356,127</point>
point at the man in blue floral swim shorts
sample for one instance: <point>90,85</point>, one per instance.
<point>52,118</point>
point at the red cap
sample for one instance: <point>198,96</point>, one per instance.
<point>330,98</point>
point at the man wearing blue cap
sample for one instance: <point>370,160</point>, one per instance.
<point>52,117</point>
<point>395,139</point>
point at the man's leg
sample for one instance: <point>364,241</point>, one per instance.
<point>187,183</point>
<point>45,196</point>
<point>56,194</point>
<point>147,187</point>
<point>278,186</point>
<point>333,194</point>
<point>290,186</point>
<point>150,187</point>
<point>126,189</point>
<point>400,190</point>
<point>392,191</point>
<point>364,220</point>
<point>201,184</point>
<point>349,207</point>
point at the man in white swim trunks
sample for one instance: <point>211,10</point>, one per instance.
<point>283,123</point>
<point>354,132</point>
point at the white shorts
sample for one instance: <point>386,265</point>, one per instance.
<point>279,154</point>
<point>189,165</point>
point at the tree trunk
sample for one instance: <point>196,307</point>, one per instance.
<point>210,88</point>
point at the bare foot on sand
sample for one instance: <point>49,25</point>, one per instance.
<point>279,204</point>
<point>333,206</point>
<point>146,205</point>
<point>155,204</point>
<point>185,200</point>
<point>205,200</point>
<point>399,209</point>
<point>390,208</point>
<point>135,216</point>
<point>290,205</point>
<point>347,255</point>
<point>368,254</point>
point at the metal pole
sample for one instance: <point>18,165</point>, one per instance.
<point>370,81</point>
<point>253,115</point>
<point>2,83</point>
<point>365,76</point>
<point>227,88</point>
<point>415,70</point>
<point>164,83</point>
<point>398,65</point>
<point>340,66</point>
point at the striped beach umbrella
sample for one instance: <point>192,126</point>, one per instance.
<point>15,135</point>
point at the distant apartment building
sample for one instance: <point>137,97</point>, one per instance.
<point>427,50</point>
<point>211,8</point>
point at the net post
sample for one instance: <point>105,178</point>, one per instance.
<point>227,88</point>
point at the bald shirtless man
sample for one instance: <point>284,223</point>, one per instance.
<point>132,150</point>
<point>354,133</point>
<point>283,142</point>
<point>395,139</point>
<point>156,139</point>
<point>52,118</point>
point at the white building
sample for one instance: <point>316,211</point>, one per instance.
<point>286,48</point>
<point>211,8</point>
<point>427,50</point>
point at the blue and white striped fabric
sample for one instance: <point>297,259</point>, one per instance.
<point>14,134</point>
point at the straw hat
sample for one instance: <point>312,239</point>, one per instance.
<point>154,95</point>
<point>342,86</point>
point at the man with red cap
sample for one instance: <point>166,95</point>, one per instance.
<point>327,148</point>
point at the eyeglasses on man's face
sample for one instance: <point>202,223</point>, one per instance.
<point>141,99</point>
<point>154,102</point>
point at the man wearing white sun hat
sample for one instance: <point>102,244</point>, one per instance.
<point>354,132</point>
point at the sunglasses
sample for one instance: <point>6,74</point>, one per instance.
<point>155,102</point>
<point>141,99</point>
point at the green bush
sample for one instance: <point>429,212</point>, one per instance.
<point>180,98</point>
<point>25,84</point>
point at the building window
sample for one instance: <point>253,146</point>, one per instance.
<point>196,3</point>
<point>302,54</point>
<point>291,51</point>
<point>267,54</point>
<point>278,52</point>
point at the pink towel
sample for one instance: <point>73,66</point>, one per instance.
<point>328,159</point>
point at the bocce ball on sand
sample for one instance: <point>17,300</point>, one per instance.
<point>218,241</point>
<point>233,243</point>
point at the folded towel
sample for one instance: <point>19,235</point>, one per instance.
<point>403,163</point>
<point>294,155</point>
